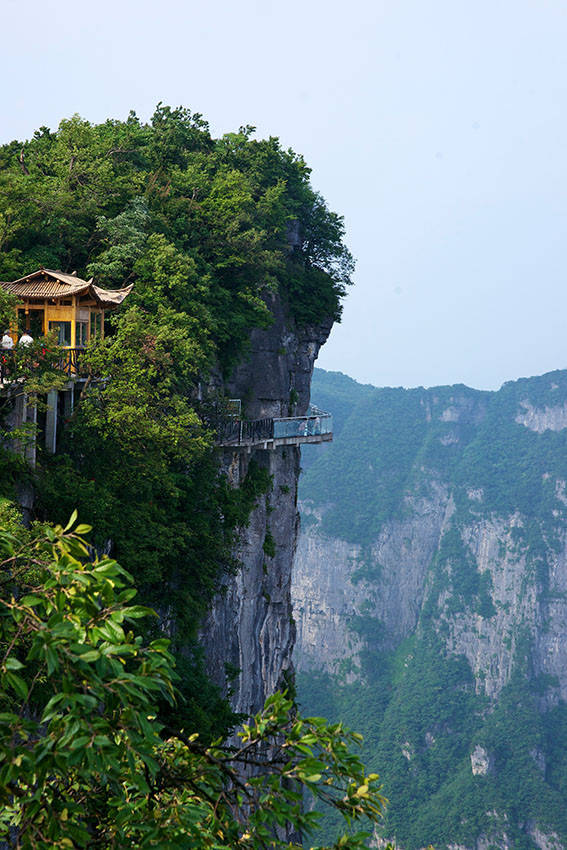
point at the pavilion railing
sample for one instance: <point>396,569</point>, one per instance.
<point>69,362</point>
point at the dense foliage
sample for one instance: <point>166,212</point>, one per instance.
<point>416,702</point>
<point>210,226</point>
<point>84,761</point>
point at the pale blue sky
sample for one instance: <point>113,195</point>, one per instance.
<point>437,128</point>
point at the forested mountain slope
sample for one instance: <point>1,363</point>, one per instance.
<point>430,596</point>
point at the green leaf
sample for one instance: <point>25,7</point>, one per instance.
<point>52,661</point>
<point>31,600</point>
<point>134,612</point>
<point>18,684</point>
<point>72,521</point>
<point>90,655</point>
<point>79,742</point>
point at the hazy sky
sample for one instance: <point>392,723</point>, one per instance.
<point>438,128</point>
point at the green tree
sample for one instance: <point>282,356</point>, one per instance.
<point>84,761</point>
<point>88,197</point>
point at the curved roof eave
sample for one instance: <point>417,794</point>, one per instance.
<point>63,285</point>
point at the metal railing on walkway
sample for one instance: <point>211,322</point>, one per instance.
<point>235,432</point>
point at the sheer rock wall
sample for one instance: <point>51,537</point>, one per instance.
<point>250,626</point>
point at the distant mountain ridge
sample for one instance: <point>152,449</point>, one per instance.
<point>431,603</point>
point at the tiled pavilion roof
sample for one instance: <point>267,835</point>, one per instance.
<point>46,283</point>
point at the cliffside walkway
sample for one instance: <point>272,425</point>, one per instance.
<point>316,427</point>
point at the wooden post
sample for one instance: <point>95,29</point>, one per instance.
<point>14,329</point>
<point>74,323</point>
<point>102,324</point>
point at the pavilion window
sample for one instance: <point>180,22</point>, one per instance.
<point>95,324</point>
<point>81,335</point>
<point>63,332</point>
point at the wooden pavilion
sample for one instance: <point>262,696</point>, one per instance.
<point>50,300</point>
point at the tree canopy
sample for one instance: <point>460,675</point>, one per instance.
<point>208,225</point>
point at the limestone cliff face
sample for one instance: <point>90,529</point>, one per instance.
<point>325,597</point>
<point>250,626</point>
<point>393,578</point>
<point>469,565</point>
<point>328,592</point>
<point>334,581</point>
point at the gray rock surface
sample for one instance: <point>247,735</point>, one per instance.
<point>548,418</point>
<point>482,762</point>
<point>329,589</point>
<point>250,625</point>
